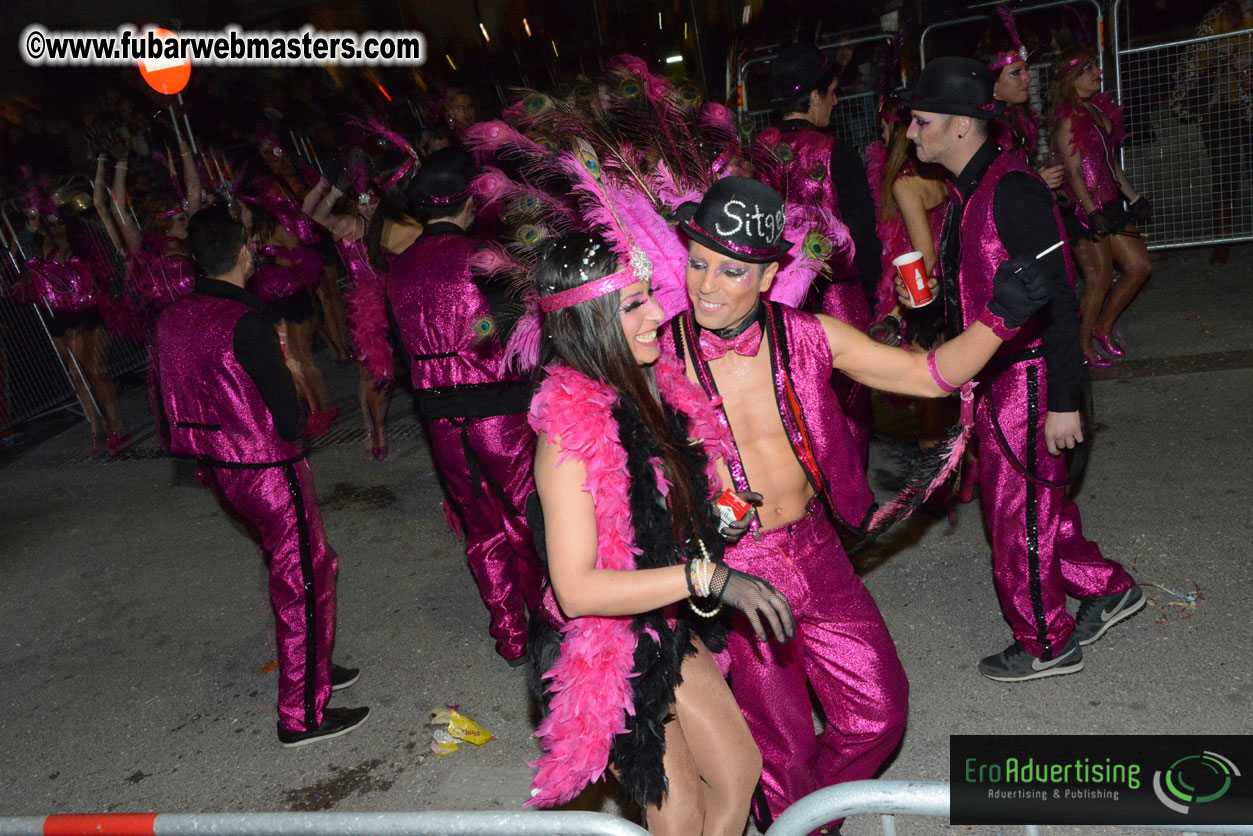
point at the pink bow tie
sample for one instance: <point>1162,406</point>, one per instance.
<point>745,344</point>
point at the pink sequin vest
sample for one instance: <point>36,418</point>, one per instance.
<point>815,425</point>
<point>214,410</point>
<point>982,252</point>
<point>442,316</point>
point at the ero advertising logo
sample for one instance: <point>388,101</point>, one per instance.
<point>1101,779</point>
<point>1194,779</point>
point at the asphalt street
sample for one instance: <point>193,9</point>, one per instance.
<point>137,644</point>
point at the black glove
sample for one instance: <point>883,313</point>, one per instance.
<point>1142,209</point>
<point>1019,289</point>
<point>886,331</point>
<point>1099,225</point>
<point>755,598</point>
<point>732,532</point>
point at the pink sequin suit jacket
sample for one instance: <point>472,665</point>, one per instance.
<point>475,417</point>
<point>1039,553</point>
<point>842,648</point>
<point>217,414</point>
<point>807,178</point>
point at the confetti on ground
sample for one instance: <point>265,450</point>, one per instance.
<point>1169,600</point>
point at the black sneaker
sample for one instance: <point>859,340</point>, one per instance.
<point>342,677</point>
<point>1096,615</point>
<point>335,722</point>
<point>1015,664</point>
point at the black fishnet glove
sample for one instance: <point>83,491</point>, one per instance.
<point>1099,224</point>
<point>755,598</point>
<point>1019,289</point>
<point>1142,209</point>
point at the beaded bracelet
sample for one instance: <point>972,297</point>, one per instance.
<point>703,568</point>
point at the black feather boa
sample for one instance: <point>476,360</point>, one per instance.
<point>637,754</point>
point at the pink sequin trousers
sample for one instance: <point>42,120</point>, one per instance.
<point>485,465</point>
<point>1039,553</point>
<point>280,504</point>
<point>842,649</point>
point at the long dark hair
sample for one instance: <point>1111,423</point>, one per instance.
<point>588,338</point>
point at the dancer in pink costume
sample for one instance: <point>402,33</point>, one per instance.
<point>230,402</point>
<point>158,269</point>
<point>1088,130</point>
<point>369,233</point>
<point>474,413</point>
<point>1027,411</point>
<point>68,284</point>
<point>825,170</point>
<point>630,534</point>
<point>771,365</point>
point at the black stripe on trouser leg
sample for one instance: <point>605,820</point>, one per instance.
<point>311,614</point>
<point>1033,521</point>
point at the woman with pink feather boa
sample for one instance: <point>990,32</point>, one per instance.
<point>621,648</point>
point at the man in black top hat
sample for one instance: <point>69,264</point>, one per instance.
<point>772,366</point>
<point>473,412</point>
<point>819,168</point>
<point>1028,409</point>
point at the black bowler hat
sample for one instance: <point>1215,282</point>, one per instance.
<point>799,70</point>
<point>956,86</point>
<point>737,217</point>
<point>444,178</point>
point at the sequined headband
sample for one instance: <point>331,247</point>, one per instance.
<point>1003,59</point>
<point>1076,61</point>
<point>754,252</point>
<point>638,270</point>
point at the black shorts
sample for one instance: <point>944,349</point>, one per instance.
<point>1115,212</point>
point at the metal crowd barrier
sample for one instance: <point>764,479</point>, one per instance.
<point>889,799</point>
<point>1189,109</point>
<point>35,380</point>
<point>526,823</point>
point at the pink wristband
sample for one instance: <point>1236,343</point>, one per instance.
<point>934,368</point>
<point>997,325</point>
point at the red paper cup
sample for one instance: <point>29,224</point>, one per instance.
<point>914,274</point>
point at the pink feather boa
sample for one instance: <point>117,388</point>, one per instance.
<point>366,308</point>
<point>1083,128</point>
<point>591,681</point>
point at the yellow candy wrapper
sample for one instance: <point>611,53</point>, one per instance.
<point>460,726</point>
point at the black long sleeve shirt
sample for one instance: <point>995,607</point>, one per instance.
<point>257,350</point>
<point>856,208</point>
<point>1022,209</point>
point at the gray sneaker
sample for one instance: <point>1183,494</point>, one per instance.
<point>1015,664</point>
<point>1096,615</point>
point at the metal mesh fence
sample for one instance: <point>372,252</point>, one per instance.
<point>1188,109</point>
<point>35,376</point>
